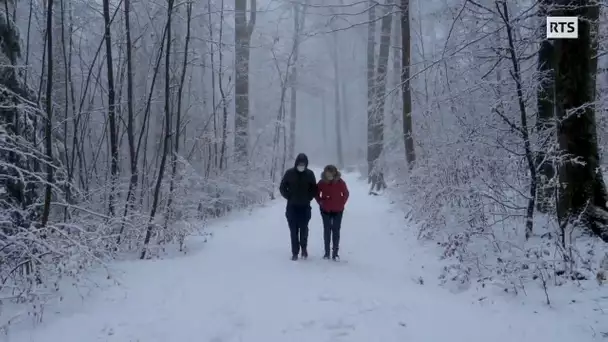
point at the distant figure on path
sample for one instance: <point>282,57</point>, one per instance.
<point>298,187</point>
<point>332,195</point>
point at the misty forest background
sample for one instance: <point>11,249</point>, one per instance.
<point>125,124</point>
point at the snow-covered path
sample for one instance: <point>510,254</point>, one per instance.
<point>241,286</point>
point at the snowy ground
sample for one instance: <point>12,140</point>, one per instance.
<point>241,286</point>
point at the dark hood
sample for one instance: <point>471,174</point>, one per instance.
<point>301,158</point>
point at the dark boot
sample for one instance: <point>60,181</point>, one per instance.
<point>304,253</point>
<point>334,255</point>
<point>326,256</point>
<point>294,257</point>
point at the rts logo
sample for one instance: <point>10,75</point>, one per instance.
<point>562,27</point>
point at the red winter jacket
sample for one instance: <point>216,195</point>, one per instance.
<point>332,195</point>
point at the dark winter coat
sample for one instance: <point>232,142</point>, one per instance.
<point>332,195</point>
<point>299,188</point>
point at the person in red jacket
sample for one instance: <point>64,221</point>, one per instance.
<point>332,195</point>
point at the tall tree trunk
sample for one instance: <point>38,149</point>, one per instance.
<point>130,116</point>
<point>145,126</point>
<point>214,107</point>
<point>297,11</point>
<point>178,119</point>
<point>337,101</point>
<point>130,200</point>
<point>75,118</point>
<point>223,161</point>
<point>582,199</point>
<point>345,119</point>
<point>167,138</point>
<point>545,124</point>
<point>345,112</point>
<point>66,104</point>
<point>48,127</point>
<point>324,114</point>
<point>371,54</point>
<point>75,148</point>
<point>523,116</point>
<point>279,122</point>
<point>222,93</point>
<point>408,127</point>
<point>377,143</point>
<point>396,112</point>
<point>594,16</point>
<point>27,40</point>
<point>111,107</point>
<point>242,34</point>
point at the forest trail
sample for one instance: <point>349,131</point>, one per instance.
<point>242,286</point>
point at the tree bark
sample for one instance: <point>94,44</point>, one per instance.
<point>582,199</point>
<point>242,35</point>
<point>167,138</point>
<point>523,128</point>
<point>371,54</point>
<point>129,202</point>
<point>145,126</point>
<point>48,127</point>
<point>130,99</point>
<point>297,23</point>
<point>324,122</point>
<point>222,93</point>
<point>408,139</point>
<point>337,101</point>
<point>178,119</point>
<point>217,160</point>
<point>377,142</point>
<point>66,55</point>
<point>111,107</point>
<point>545,117</point>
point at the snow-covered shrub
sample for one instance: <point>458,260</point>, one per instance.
<point>101,210</point>
<point>470,187</point>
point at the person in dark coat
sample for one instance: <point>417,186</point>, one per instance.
<point>332,195</point>
<point>298,187</point>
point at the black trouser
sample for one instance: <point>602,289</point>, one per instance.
<point>297,219</point>
<point>331,229</point>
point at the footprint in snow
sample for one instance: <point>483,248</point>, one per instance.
<point>308,324</point>
<point>339,325</point>
<point>341,334</point>
<point>329,298</point>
